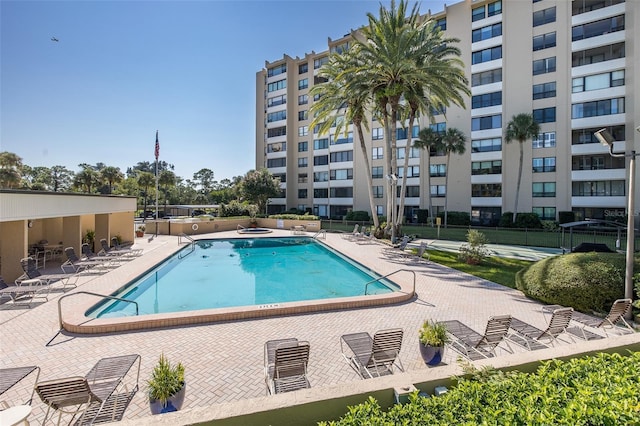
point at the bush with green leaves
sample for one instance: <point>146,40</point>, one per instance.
<point>595,390</point>
<point>235,208</point>
<point>585,281</point>
<point>456,218</point>
<point>474,250</point>
<point>166,380</point>
<point>289,216</point>
<point>357,216</point>
<point>550,225</point>
<point>528,220</point>
<point>422,215</point>
<point>636,280</point>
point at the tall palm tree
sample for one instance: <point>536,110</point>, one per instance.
<point>10,167</point>
<point>111,175</point>
<point>145,181</point>
<point>521,128</point>
<point>343,100</point>
<point>86,180</point>
<point>452,142</point>
<point>428,139</point>
<point>166,180</point>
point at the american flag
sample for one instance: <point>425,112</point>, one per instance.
<point>157,151</point>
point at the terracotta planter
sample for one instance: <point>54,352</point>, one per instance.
<point>174,403</point>
<point>139,234</point>
<point>431,355</point>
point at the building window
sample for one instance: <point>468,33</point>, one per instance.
<point>376,172</point>
<point>486,100</point>
<point>277,147</point>
<point>377,133</point>
<point>545,115</point>
<point>320,62</point>
<point>544,164</point>
<point>411,191</point>
<point>302,193</point>
<point>378,192</point>
<point>544,90</point>
<point>544,41</point>
<point>545,213</point>
<point>277,116</point>
<point>303,146</point>
<point>341,138</point>
<point>277,100</point>
<point>543,66</point>
<point>319,79</point>
<point>303,83</point>
<point>596,162</point>
<point>598,108</point>
<point>277,85</point>
<point>321,143</point>
<point>303,115</point>
<point>320,160</point>
<point>438,128</point>
<point>487,32</point>
<point>544,16</point>
<point>276,162</point>
<point>346,192</point>
<point>321,193</point>
<point>303,178</point>
<point>342,156</point>
<point>477,14</point>
<point>303,68</point>
<point>377,153</point>
<point>486,167</point>
<point>438,190</point>
<point>486,122</point>
<point>582,136</point>
<point>583,6</point>
<point>486,190</point>
<point>281,176</point>
<point>486,77</point>
<point>321,176</point>
<point>303,130</point>
<point>303,162</point>
<point>277,70</point>
<point>543,189</point>
<point>276,131</point>
<point>597,28</point>
<point>341,174</point>
<point>413,153</point>
<point>494,8</point>
<point>486,145</point>
<point>442,24</point>
<point>544,140</point>
<point>602,188</point>
<point>598,54</point>
<point>341,48</point>
<point>598,81</point>
<point>303,99</point>
<point>412,171</point>
<point>486,55</point>
<point>437,170</point>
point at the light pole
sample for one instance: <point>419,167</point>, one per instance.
<point>605,138</point>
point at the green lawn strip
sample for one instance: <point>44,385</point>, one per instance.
<point>499,270</point>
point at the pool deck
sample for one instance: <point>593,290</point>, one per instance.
<point>224,360</point>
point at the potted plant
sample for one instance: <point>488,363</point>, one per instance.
<point>90,238</point>
<point>166,387</point>
<point>140,230</point>
<point>432,336</point>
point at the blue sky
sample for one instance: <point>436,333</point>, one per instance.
<point>123,69</point>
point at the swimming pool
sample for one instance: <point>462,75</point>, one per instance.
<point>262,272</point>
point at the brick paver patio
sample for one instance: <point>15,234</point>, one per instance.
<point>224,361</point>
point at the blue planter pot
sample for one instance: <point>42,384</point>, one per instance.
<point>432,355</point>
<point>174,403</point>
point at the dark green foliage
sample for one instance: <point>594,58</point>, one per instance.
<point>293,216</point>
<point>358,216</point>
<point>566,217</point>
<point>597,390</point>
<point>528,220</point>
<point>456,218</point>
<point>585,281</point>
<point>423,215</point>
<point>506,220</point>
<point>234,208</point>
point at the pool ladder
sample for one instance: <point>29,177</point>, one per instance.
<point>192,243</point>
<point>322,232</point>
<point>366,286</point>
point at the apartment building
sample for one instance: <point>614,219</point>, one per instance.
<point>573,64</point>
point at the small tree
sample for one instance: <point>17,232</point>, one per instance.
<point>474,250</point>
<point>258,186</point>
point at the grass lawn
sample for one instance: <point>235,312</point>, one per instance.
<point>499,270</point>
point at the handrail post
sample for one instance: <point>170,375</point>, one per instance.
<point>413,292</point>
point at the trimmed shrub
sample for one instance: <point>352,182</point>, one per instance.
<point>528,220</point>
<point>585,281</point>
<point>358,216</point>
<point>456,218</point>
<point>595,390</point>
<point>290,216</point>
<point>550,225</point>
<point>566,217</point>
<point>506,220</point>
<point>474,251</point>
<point>235,208</point>
<point>423,215</point>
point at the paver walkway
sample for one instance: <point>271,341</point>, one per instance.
<point>224,361</point>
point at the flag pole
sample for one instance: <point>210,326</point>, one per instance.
<point>157,153</point>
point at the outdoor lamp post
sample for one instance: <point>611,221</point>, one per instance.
<point>605,138</point>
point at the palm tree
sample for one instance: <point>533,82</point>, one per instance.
<point>10,166</point>
<point>145,180</point>
<point>86,179</point>
<point>452,141</point>
<point>343,100</point>
<point>166,180</point>
<point>428,140</point>
<point>521,127</point>
<point>111,175</point>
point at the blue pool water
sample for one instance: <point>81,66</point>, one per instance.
<point>242,272</point>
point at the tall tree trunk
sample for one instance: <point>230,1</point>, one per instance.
<point>429,183</point>
<point>367,165</point>
<point>515,208</point>
<point>446,189</point>
<point>403,188</point>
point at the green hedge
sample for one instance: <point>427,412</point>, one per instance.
<point>597,390</point>
<point>585,281</point>
<point>290,216</point>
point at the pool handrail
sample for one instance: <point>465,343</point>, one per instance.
<point>183,235</point>
<point>91,294</point>
<point>317,234</point>
<point>413,292</point>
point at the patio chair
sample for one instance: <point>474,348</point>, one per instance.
<point>94,392</point>
<point>532,338</point>
<point>9,377</point>
<point>285,365</point>
<point>613,320</point>
<point>422,251</point>
<point>116,245</point>
<point>373,357</point>
<point>80,265</point>
<point>23,294</point>
<point>90,255</point>
<point>473,345</point>
<point>111,251</point>
<point>31,274</point>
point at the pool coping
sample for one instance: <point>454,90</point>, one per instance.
<point>73,320</point>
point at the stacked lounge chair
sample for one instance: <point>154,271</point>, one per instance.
<point>474,345</point>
